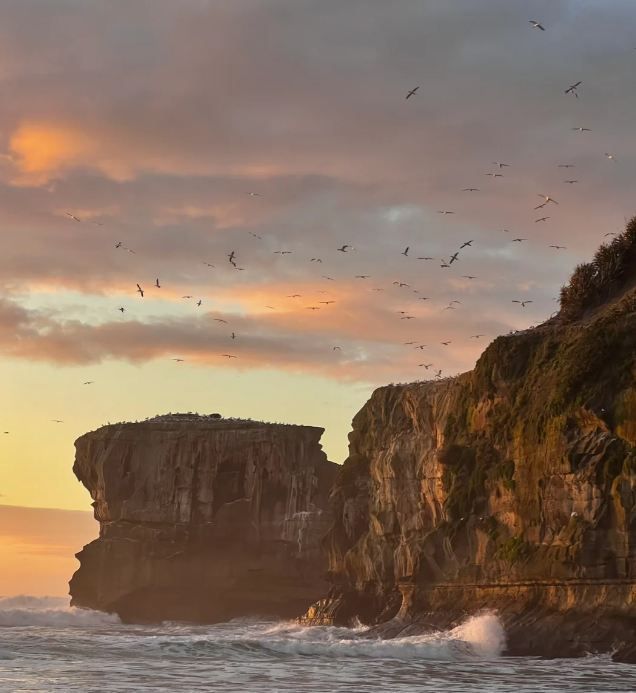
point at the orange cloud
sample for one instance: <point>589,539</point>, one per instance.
<point>40,150</point>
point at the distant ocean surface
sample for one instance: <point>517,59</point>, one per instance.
<point>47,646</point>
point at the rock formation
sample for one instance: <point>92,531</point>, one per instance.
<point>203,518</point>
<point>510,487</point>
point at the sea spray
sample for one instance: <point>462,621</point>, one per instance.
<point>54,612</point>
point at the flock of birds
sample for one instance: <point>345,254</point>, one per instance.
<point>547,201</point>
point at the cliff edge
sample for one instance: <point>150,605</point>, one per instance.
<point>203,518</point>
<point>511,487</point>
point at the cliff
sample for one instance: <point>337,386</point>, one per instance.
<point>510,487</point>
<point>203,518</point>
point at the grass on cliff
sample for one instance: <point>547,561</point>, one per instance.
<point>592,283</point>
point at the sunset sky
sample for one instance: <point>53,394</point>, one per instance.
<point>153,121</point>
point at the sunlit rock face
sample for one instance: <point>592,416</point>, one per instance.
<point>510,487</point>
<point>203,518</point>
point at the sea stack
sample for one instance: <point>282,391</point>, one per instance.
<point>203,518</point>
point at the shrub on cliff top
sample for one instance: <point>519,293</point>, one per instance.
<point>613,266</point>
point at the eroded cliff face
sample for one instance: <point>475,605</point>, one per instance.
<point>511,487</point>
<point>203,518</point>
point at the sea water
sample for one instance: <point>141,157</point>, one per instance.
<point>47,646</point>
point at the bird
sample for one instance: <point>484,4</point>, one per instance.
<point>468,276</point>
<point>157,284</point>
<point>199,302</point>
<point>315,259</point>
<point>208,264</point>
<point>233,336</point>
<point>331,279</point>
<point>405,252</point>
<point>494,175</point>
<point>89,382</point>
<point>445,343</point>
<point>518,240</point>
<point>439,375</point>
<point>412,92</point>
<point>571,182</point>
<point>536,25</point>
<point>140,290</point>
<point>558,247</point>
<point>362,276</point>
<point>72,216</point>
<point>407,317</point>
<point>220,320</point>
<point>231,257</point>
<point>336,348</point>
<point>118,244</point>
<point>57,420</point>
<point>444,264</point>
<point>610,156</point>
<point>326,302</point>
<point>579,129</point>
<point>344,248</point>
<point>254,194</point>
<point>282,252</point>
<point>536,221</point>
<point>187,296</point>
<point>260,238</point>
<point>547,199</point>
<point>476,336</point>
<point>466,244</point>
<point>444,211</point>
<point>572,89</point>
<point>229,356</point>
<point>401,285</point>
<point>523,304</point>
<point>609,234</point>
<point>423,298</point>
<point>425,258</point>
<point>453,258</point>
<point>295,296</point>
<point>470,190</point>
<point>177,360</point>
<point>312,308</point>
<point>425,365</point>
<point>565,166</point>
<point>121,308</point>
<point>500,164</point>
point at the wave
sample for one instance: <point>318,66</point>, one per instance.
<point>479,637</point>
<point>55,612</point>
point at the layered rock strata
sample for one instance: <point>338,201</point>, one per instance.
<point>203,518</point>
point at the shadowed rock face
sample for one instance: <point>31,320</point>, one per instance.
<point>510,487</point>
<point>203,519</point>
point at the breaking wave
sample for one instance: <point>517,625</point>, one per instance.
<point>49,611</point>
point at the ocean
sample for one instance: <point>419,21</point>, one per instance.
<point>47,646</point>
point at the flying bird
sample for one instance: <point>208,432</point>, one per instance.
<point>405,252</point>
<point>89,382</point>
<point>536,25</point>
<point>140,290</point>
<point>453,258</point>
<point>426,258</point>
<point>345,248</point>
<point>412,92</point>
<point>260,238</point>
<point>229,356</point>
<point>582,129</point>
<point>326,303</point>
<point>572,89</point>
<point>208,264</point>
<point>57,420</point>
<point>466,244</point>
<point>500,164</point>
<point>468,276</point>
<point>72,216</point>
<point>445,343</point>
<point>444,211</point>
<point>476,336</point>
<point>565,166</point>
<point>231,257</point>
<point>547,199</point>
<point>282,252</point>
<point>315,259</point>
<point>558,247</point>
<point>425,365</point>
<point>470,190</point>
<point>199,302</point>
<point>295,296</point>
<point>523,304</point>
<point>610,156</point>
<point>336,348</point>
<point>312,308</point>
<point>362,276</point>
<point>571,182</point>
<point>536,221</point>
<point>177,360</point>
<point>494,175</point>
<point>233,335</point>
<point>331,279</point>
<point>518,240</point>
<point>187,296</point>
<point>254,194</point>
<point>157,284</point>
<point>121,308</point>
<point>220,320</point>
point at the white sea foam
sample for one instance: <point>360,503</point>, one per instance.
<point>49,611</point>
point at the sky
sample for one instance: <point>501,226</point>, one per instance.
<point>148,140</point>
